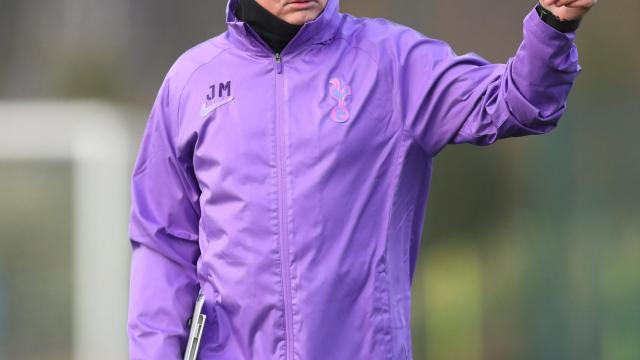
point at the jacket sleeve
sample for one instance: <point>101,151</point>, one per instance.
<point>446,98</point>
<point>163,232</point>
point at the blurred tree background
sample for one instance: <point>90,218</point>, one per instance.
<point>531,246</point>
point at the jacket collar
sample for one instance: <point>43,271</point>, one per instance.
<point>318,30</point>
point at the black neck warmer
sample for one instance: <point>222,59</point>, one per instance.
<point>273,30</point>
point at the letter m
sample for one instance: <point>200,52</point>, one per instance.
<point>222,87</point>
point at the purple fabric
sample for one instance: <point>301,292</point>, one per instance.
<point>293,192</point>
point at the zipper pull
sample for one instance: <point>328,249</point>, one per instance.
<point>278,63</point>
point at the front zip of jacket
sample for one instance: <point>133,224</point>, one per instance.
<point>282,193</point>
<point>291,188</point>
<point>282,206</point>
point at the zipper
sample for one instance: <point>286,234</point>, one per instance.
<point>282,189</point>
<point>282,205</point>
<point>278,58</point>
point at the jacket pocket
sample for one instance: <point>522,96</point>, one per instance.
<point>401,282</point>
<point>216,331</point>
<point>381,313</point>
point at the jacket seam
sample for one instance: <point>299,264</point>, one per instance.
<point>394,105</point>
<point>394,102</point>
<point>390,78</point>
<point>359,48</point>
<point>396,182</point>
<point>187,81</point>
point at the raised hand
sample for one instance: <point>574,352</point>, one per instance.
<point>568,9</point>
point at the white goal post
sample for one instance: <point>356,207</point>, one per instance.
<point>95,138</point>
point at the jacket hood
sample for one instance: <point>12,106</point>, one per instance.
<point>318,30</point>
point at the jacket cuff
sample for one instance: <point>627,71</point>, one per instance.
<point>558,48</point>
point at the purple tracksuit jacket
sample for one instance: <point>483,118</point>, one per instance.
<point>291,188</point>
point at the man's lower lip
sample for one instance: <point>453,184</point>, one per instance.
<point>301,4</point>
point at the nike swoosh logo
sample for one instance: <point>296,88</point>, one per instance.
<point>208,108</point>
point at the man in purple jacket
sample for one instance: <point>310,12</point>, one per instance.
<point>285,167</point>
